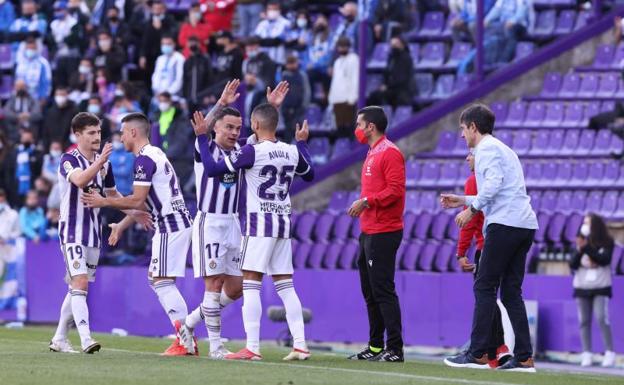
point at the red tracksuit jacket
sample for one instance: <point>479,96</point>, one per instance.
<point>383,184</point>
<point>474,228</point>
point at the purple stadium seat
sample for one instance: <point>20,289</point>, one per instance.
<point>379,58</point>
<point>355,229</point>
<point>535,196</point>
<point>453,230</point>
<point>618,57</point>
<point>579,174</point>
<point>555,227</point>
<point>316,255</point>
<point>440,224</point>
<point>429,201</point>
<point>505,136</point>
<point>564,202</point>
<point>446,142</point>
<point>555,141</point>
<point>565,22</point>
<point>432,25</point>
<point>596,173</point>
<point>517,112</point>
<point>389,112</point>
<point>353,196</point>
<point>412,201</point>
<point>554,115</point>
<point>409,220</point>
<point>579,201</point>
<point>611,174</point>
<point>424,84</point>
<point>462,82</point>
<point>373,82</point>
<point>431,55</point>
<point>421,228</point>
<point>342,228</point>
<point>549,174</point>
<point>331,255</point>
<point>586,142</point>
<point>314,115</point>
<point>572,226</point>
<point>535,114</point>
<point>545,24</point>
<point>608,85</point>
<point>449,174</point>
<point>6,57</point>
<point>338,202</point>
<point>533,174</point>
<point>348,257</point>
<point>552,83</point>
<point>589,85</point>
<point>443,256</point>
<point>602,143</point>
<point>539,143</point>
<point>592,109</point>
<point>301,256</point>
<point>549,201</point>
<point>399,255</point>
<point>305,224</point>
<point>570,85</point>
<point>619,211</point>
<point>564,174</point>
<point>323,227</point>
<point>543,219</point>
<point>522,142</point>
<point>500,112</point>
<point>319,150</point>
<point>430,174</point>
<point>458,53</point>
<point>594,201</point>
<point>573,114</point>
<point>6,86</point>
<point>410,255</point>
<point>412,173</point>
<point>444,86</point>
<point>341,147</point>
<point>604,56</point>
<point>427,255</point>
<point>414,49</point>
<point>608,105</point>
<point>570,142</point>
<point>582,19</point>
<point>609,204</point>
<point>524,49</point>
<point>401,114</point>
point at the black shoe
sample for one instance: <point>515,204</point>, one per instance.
<point>365,354</point>
<point>389,356</point>
<point>513,365</point>
<point>467,360</point>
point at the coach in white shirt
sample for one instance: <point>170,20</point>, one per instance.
<point>509,229</point>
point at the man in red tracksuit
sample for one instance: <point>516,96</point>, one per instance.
<point>498,352</point>
<point>380,209</point>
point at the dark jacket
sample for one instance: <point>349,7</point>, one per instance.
<point>228,65</point>
<point>263,67</point>
<point>592,281</point>
<point>197,76</point>
<point>112,60</point>
<point>150,44</point>
<point>15,106</point>
<point>179,142</point>
<point>58,123</point>
<point>398,76</point>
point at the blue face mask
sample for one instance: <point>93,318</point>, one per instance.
<point>30,53</point>
<point>93,108</point>
<point>166,49</point>
<point>2,207</point>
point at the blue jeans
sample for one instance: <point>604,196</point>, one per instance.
<point>248,18</point>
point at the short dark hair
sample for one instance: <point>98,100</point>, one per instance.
<point>343,41</point>
<point>482,117</point>
<point>375,115</point>
<point>268,116</point>
<point>227,111</point>
<point>82,120</point>
<point>140,118</point>
<point>165,94</point>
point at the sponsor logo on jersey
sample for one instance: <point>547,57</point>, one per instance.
<point>228,180</point>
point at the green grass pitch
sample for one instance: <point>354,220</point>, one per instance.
<point>25,359</point>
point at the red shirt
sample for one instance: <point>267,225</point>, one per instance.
<point>474,228</point>
<point>219,13</point>
<point>202,31</point>
<point>383,184</point>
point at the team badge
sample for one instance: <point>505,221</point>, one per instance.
<point>234,155</point>
<point>67,166</point>
<point>155,260</point>
<point>212,265</point>
<point>76,265</point>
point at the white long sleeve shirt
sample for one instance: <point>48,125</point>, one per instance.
<point>501,189</point>
<point>168,74</point>
<point>345,80</point>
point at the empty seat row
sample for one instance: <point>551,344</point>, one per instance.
<point>608,57</point>
<point>583,85</point>
<point>540,114</point>
<point>429,56</point>
<point>609,204</point>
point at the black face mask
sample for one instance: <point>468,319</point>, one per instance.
<point>195,49</point>
<point>320,28</point>
<point>27,144</point>
<point>113,19</point>
<point>350,18</point>
<point>22,93</point>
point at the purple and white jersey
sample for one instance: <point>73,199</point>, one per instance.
<point>80,224</point>
<point>216,195</point>
<point>269,169</point>
<point>165,200</point>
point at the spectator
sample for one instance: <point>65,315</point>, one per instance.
<point>140,16</point>
<point>35,71</point>
<point>21,111</point>
<point>82,82</point>
<point>105,88</point>
<point>254,95</point>
<point>7,16</point>
<point>117,27</point>
<point>300,36</point>
<point>9,229</point>
<point>43,188</point>
<point>592,284</point>
<point>109,56</point>
<point>68,38</point>
<point>160,24</point>
<point>259,63</point>
<point>5,179</point>
<point>52,161</point>
<point>178,136</point>
<point>80,10</point>
<point>398,74</point>
<point>197,74</point>
<point>297,100</point>
<point>273,32</point>
<point>319,58</point>
<point>510,19</point>
<point>30,21</point>
<point>124,103</point>
<point>228,64</point>
<point>465,13</point>
<point>390,16</point>
<point>196,27</point>
<point>53,215</point>
<point>349,27</point>
<point>94,106</point>
<point>218,14</point>
<point>58,118</point>
<point>343,92</point>
<point>248,16</point>
<point>26,165</point>
<point>122,162</point>
<point>32,219</point>
<point>169,71</point>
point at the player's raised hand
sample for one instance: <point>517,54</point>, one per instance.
<point>199,123</point>
<point>93,199</point>
<point>229,94</point>
<point>277,96</point>
<point>302,133</point>
<point>106,152</point>
<point>451,201</point>
<point>115,234</point>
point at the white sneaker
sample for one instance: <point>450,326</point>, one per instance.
<point>90,346</point>
<point>220,353</point>
<point>186,338</point>
<point>297,355</point>
<point>609,359</point>
<point>586,359</point>
<point>62,346</point>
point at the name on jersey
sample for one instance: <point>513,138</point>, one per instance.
<point>278,154</point>
<point>274,208</point>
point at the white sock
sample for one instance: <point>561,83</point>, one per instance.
<point>194,317</point>
<point>294,313</point>
<point>171,300</point>
<point>252,312</point>
<point>211,309</point>
<point>81,314</point>
<point>64,319</point>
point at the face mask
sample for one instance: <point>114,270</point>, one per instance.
<point>252,54</point>
<point>350,18</point>
<point>30,53</point>
<point>22,93</point>
<point>114,19</point>
<point>164,106</point>
<point>166,49</point>
<point>2,205</point>
<point>195,16</point>
<point>273,14</point>
<point>361,136</point>
<point>302,23</point>
<point>117,145</point>
<point>94,109</point>
<point>105,44</point>
<point>55,153</point>
<point>60,100</point>
<point>119,93</point>
<point>585,230</point>
<point>72,138</point>
<point>84,70</point>
<point>195,49</point>
<point>320,28</point>
<point>26,144</point>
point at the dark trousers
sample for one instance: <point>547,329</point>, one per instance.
<point>502,264</point>
<point>497,334</point>
<point>376,263</point>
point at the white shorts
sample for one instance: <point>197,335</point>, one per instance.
<point>216,245</point>
<point>79,260</point>
<point>169,253</point>
<point>272,256</point>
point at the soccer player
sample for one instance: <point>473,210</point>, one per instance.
<point>216,229</point>
<point>269,168</point>
<point>83,169</point>
<point>156,185</point>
